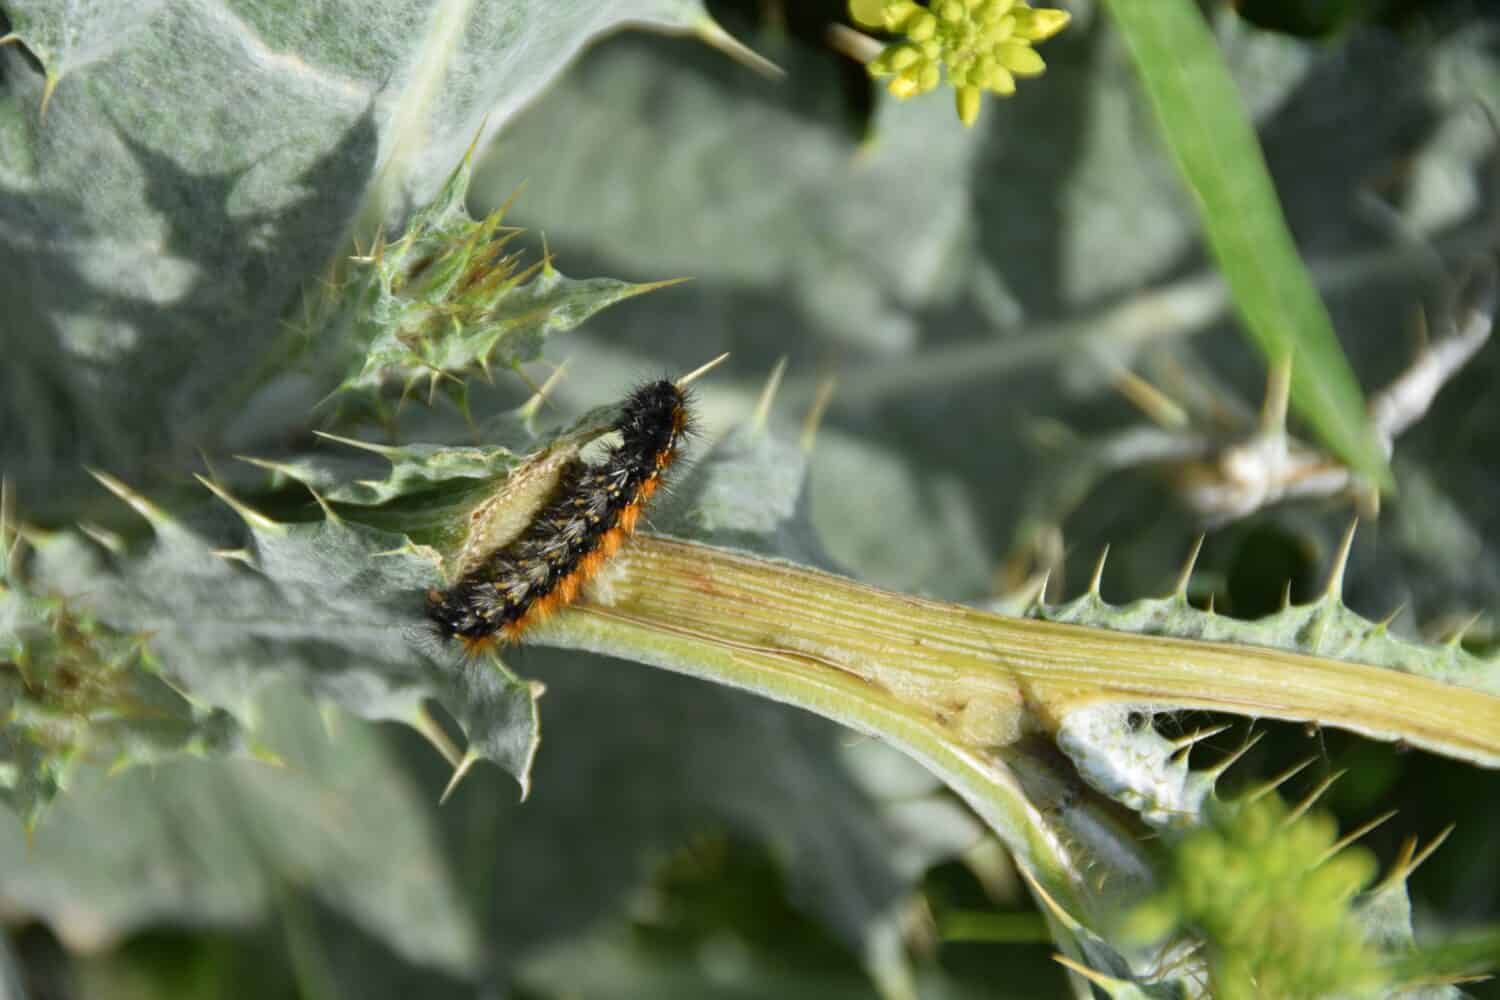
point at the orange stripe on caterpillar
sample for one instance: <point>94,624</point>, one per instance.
<point>590,514</point>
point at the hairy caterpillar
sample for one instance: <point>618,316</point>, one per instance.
<point>593,509</point>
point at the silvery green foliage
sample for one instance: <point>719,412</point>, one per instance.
<point>175,173</point>
<point>333,601</point>
<point>337,604</point>
<point>73,690</point>
<point>180,169</point>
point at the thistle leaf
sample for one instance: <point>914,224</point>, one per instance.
<point>174,169</point>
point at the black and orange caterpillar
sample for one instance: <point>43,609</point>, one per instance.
<point>593,509</point>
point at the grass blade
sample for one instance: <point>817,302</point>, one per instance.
<point>1204,124</point>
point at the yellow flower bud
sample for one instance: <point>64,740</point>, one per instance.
<point>898,14</point>
<point>867,13</point>
<point>981,45</point>
<point>1020,58</point>
<point>992,12</point>
<point>1000,31</point>
<point>904,84</point>
<point>968,104</point>
<point>901,56</point>
<point>1040,24</point>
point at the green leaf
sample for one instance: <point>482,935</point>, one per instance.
<point>73,690</point>
<point>339,599</point>
<point>1204,124</point>
<point>338,602</point>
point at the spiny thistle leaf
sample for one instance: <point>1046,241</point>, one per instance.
<point>1117,750</point>
<point>225,155</point>
<point>335,604</point>
<point>73,689</point>
<point>325,603</point>
<point>749,491</point>
<point>338,598</point>
<point>1325,627</point>
<point>415,469</point>
<point>447,300</point>
<point>1151,774</point>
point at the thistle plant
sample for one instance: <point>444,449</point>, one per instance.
<point>220,712</point>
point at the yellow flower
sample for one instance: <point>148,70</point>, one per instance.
<point>982,44</point>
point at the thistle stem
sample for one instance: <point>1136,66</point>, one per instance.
<point>961,690</point>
